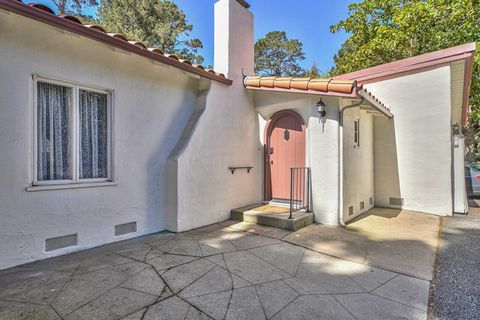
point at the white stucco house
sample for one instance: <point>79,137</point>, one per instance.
<point>103,139</point>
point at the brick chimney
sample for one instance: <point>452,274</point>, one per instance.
<point>234,44</point>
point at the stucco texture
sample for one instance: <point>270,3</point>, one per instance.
<point>413,150</point>
<point>151,106</point>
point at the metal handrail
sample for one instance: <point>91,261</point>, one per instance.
<point>300,190</point>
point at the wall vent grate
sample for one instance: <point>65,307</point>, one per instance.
<point>396,201</point>
<point>362,205</point>
<point>61,242</point>
<point>350,211</point>
<point>370,201</point>
<point>121,229</point>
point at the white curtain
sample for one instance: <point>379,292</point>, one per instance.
<point>93,135</point>
<point>53,123</point>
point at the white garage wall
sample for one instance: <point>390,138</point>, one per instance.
<point>152,105</point>
<point>413,152</point>
<point>358,169</point>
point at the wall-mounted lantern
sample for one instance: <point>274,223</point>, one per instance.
<point>321,108</point>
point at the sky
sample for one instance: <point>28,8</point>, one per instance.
<point>306,20</point>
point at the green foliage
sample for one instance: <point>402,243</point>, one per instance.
<point>157,23</point>
<point>73,6</point>
<point>276,55</point>
<point>382,31</point>
<point>315,72</point>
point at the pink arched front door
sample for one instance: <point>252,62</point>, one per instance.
<point>285,149</point>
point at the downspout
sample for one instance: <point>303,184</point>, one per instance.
<point>341,222</point>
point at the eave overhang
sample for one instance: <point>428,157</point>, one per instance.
<point>72,24</point>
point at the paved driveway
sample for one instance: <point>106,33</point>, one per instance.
<point>224,271</point>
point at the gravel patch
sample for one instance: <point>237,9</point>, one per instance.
<point>455,291</point>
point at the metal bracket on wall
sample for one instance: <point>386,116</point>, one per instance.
<point>233,169</point>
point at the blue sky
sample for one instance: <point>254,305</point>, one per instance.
<point>307,20</point>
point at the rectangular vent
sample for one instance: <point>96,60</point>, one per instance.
<point>362,205</point>
<point>61,242</point>
<point>396,201</point>
<point>350,211</point>
<point>121,229</point>
<point>370,201</point>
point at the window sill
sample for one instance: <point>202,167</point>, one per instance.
<point>70,186</point>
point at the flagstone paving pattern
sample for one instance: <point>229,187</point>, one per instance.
<point>216,272</point>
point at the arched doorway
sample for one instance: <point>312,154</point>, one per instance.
<point>284,149</point>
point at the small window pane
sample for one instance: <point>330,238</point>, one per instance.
<point>356,132</point>
<point>93,111</point>
<point>54,103</point>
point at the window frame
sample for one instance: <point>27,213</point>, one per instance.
<point>74,133</point>
<point>356,132</point>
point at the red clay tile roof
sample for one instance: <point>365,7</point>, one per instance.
<point>73,24</point>
<point>342,87</point>
<point>345,88</point>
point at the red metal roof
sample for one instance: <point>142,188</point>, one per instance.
<point>418,63</point>
<point>44,14</point>
<point>379,72</point>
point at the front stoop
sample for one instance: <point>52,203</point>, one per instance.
<point>272,216</point>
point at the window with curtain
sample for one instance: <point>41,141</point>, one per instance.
<point>54,104</point>
<point>73,133</point>
<point>93,135</point>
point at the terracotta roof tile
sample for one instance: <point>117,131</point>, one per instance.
<point>303,84</point>
<point>31,11</point>
<point>172,56</point>
<point>138,44</point>
<point>95,27</point>
<point>70,17</point>
<point>282,83</point>
<point>185,61</point>
<point>119,36</point>
<point>156,50</point>
<point>318,84</point>
<point>41,7</point>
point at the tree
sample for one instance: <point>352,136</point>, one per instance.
<point>73,6</point>
<point>276,55</point>
<point>382,31</point>
<point>157,23</point>
<point>315,72</point>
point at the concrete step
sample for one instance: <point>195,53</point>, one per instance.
<point>272,216</point>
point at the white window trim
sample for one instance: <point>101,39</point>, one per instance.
<point>75,135</point>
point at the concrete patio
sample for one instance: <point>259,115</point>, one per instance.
<point>225,271</point>
<point>397,240</point>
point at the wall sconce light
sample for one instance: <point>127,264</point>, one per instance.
<point>321,108</point>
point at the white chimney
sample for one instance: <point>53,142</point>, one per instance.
<point>234,44</point>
